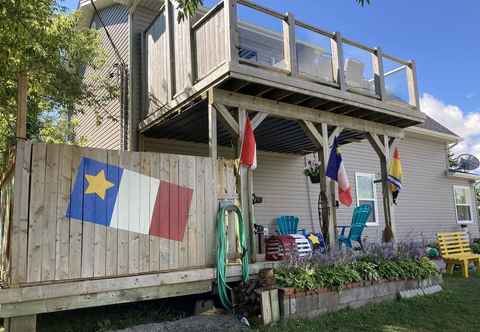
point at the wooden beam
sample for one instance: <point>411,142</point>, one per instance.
<point>336,132</point>
<point>212,132</point>
<point>377,144</point>
<point>330,191</point>
<point>231,34</point>
<point>312,132</point>
<point>21,324</point>
<point>289,44</point>
<point>169,21</point>
<point>296,112</point>
<point>379,75</point>
<point>22,88</point>
<point>414,97</point>
<point>228,118</point>
<point>338,61</point>
<point>257,119</point>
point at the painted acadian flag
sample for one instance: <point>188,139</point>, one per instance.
<point>395,175</point>
<point>116,197</point>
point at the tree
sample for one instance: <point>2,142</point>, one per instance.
<point>41,41</point>
<point>189,7</point>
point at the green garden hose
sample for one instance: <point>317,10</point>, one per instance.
<point>222,251</point>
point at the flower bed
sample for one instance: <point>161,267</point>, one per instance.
<point>329,282</point>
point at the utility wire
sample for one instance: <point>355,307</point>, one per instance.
<point>117,53</point>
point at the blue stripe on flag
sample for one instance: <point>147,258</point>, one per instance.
<point>90,206</point>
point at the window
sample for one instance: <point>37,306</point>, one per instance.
<point>463,204</point>
<point>366,194</point>
<point>245,53</point>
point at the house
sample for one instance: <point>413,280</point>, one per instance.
<point>187,88</point>
<point>427,203</point>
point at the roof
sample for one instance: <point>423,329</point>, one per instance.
<point>431,124</point>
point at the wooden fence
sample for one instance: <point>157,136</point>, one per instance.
<point>6,211</point>
<point>84,213</point>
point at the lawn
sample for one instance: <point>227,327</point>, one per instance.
<point>457,308</point>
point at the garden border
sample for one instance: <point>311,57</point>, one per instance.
<point>312,303</point>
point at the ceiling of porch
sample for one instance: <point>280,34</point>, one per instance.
<point>273,134</point>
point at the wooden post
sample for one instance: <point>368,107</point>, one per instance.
<point>338,61</point>
<point>169,21</point>
<point>22,88</point>
<point>21,324</point>
<point>377,65</point>
<point>212,132</point>
<point>383,151</point>
<point>246,186</point>
<point>330,190</point>
<point>289,44</point>
<point>232,43</point>
<point>414,98</point>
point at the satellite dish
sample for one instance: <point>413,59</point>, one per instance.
<point>466,162</point>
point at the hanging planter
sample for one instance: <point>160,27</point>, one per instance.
<point>313,171</point>
<point>314,178</point>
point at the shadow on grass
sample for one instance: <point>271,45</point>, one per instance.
<point>454,309</point>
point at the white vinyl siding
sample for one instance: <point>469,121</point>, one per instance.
<point>463,204</point>
<point>367,194</point>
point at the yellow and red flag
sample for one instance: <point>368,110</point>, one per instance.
<point>395,175</point>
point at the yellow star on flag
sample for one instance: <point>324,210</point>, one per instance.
<point>98,184</point>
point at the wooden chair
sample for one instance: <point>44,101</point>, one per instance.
<point>359,220</point>
<point>287,225</point>
<point>455,250</point>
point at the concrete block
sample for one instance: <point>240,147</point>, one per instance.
<point>432,289</point>
<point>409,293</point>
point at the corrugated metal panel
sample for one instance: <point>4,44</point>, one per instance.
<point>425,205</point>
<point>107,135</point>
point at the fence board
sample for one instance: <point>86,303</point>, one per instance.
<point>37,213</point>
<point>18,261</point>
<point>111,254</point>
<point>75,241</point>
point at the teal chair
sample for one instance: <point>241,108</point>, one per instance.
<point>287,225</point>
<point>359,220</point>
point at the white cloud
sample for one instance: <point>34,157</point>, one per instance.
<point>466,125</point>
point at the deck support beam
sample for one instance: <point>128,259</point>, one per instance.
<point>384,147</point>
<point>296,112</point>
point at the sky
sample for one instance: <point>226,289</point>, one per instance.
<point>441,36</point>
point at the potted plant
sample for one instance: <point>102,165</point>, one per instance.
<point>313,171</point>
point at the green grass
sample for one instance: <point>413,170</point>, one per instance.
<point>457,308</point>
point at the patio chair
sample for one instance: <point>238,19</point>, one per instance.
<point>359,220</point>
<point>287,225</point>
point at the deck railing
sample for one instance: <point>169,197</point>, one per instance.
<point>299,50</point>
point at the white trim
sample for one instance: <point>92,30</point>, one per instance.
<point>375,200</point>
<point>465,176</point>
<point>469,204</point>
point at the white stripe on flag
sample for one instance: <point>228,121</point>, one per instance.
<point>135,202</point>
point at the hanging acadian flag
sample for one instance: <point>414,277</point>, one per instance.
<point>395,175</point>
<point>248,155</point>
<point>336,171</point>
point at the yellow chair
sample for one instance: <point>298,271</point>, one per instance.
<point>455,249</point>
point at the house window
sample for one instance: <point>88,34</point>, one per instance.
<point>367,194</point>
<point>463,204</point>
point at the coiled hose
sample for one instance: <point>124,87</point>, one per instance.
<point>222,252</point>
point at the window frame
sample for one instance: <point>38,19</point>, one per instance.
<point>375,198</point>
<point>468,196</point>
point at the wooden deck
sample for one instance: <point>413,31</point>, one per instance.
<point>211,51</point>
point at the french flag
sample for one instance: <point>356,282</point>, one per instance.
<point>336,171</point>
<point>248,155</point>
<point>117,197</point>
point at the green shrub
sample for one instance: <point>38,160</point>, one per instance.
<point>368,271</point>
<point>476,247</point>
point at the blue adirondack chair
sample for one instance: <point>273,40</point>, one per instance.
<point>359,220</point>
<point>287,225</point>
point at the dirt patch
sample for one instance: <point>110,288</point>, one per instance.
<point>210,323</point>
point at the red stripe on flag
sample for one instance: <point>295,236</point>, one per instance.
<point>170,214</point>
